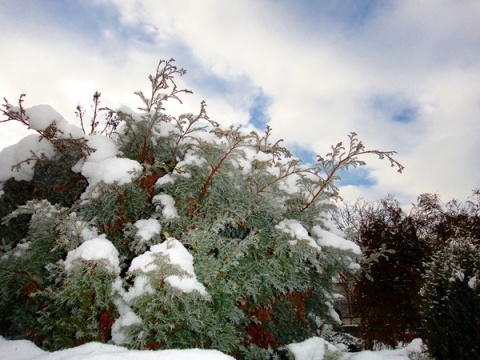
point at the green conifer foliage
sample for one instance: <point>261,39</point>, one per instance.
<point>211,239</point>
<point>23,267</point>
<point>451,302</point>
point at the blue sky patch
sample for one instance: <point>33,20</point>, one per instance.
<point>209,82</point>
<point>395,108</point>
<point>351,14</point>
<point>405,115</point>
<point>302,153</point>
<point>86,18</point>
<point>359,176</point>
<point>259,110</point>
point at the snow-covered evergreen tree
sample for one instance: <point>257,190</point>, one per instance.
<point>166,232</point>
<point>451,301</point>
<point>450,306</point>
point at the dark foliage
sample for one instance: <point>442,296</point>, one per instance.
<point>385,295</point>
<point>420,275</point>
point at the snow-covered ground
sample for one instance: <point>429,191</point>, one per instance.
<point>311,349</point>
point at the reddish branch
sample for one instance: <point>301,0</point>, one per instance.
<point>284,176</point>
<point>343,163</point>
<point>215,169</point>
<point>164,76</point>
<point>202,115</point>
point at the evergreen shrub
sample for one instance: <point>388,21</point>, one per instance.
<point>450,305</point>
<point>153,231</point>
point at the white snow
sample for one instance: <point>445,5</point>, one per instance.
<point>21,248</point>
<point>168,203</point>
<point>128,110</point>
<point>164,129</point>
<point>252,156</point>
<point>21,151</point>
<point>180,257</point>
<point>310,349</point>
<point>328,238</point>
<point>295,229</point>
<point>415,347</point>
<point>354,267</point>
<point>97,249</point>
<point>127,317</point>
<point>19,350</point>
<point>87,233</point>
<point>81,229</point>
<point>333,313</point>
<point>148,228</point>
<point>31,147</point>
<point>189,159</point>
<point>102,165</point>
<point>472,282</point>
<point>366,355</point>
<point>141,286</point>
<point>25,350</point>
<point>119,337</point>
<point>186,284</point>
<point>144,262</point>
<point>105,148</point>
<point>42,116</point>
<point>110,170</point>
<point>166,179</point>
<point>177,255</point>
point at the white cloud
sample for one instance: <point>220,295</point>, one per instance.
<point>321,75</point>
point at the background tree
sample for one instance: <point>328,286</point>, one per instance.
<point>420,274</point>
<point>450,296</point>
<point>385,294</point>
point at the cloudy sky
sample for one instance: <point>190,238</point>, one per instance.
<point>404,75</point>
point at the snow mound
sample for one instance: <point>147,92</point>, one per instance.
<point>310,349</point>
<point>25,350</point>
<point>328,238</point>
<point>148,228</point>
<point>415,347</point>
<point>19,350</point>
<point>97,249</point>
<point>103,165</point>
<point>168,205</point>
<point>295,229</point>
<point>40,117</point>
<point>110,170</point>
<point>29,147</point>
<point>177,255</point>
